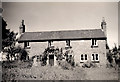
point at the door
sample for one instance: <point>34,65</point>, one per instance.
<point>51,60</point>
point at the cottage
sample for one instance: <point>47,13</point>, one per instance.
<point>87,45</point>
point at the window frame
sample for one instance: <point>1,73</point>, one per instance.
<point>94,43</point>
<point>95,58</point>
<point>83,58</point>
<point>68,42</point>
<point>26,45</point>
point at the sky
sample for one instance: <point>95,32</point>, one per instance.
<point>52,16</point>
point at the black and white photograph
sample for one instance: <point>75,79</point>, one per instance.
<point>60,41</point>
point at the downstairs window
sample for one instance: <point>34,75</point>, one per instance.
<point>83,58</point>
<point>95,58</point>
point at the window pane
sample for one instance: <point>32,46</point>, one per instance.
<point>96,56</point>
<point>25,44</point>
<point>95,42</point>
<point>92,41</point>
<point>82,57</point>
<point>85,56</point>
<point>68,42</point>
<point>28,44</point>
<point>93,57</point>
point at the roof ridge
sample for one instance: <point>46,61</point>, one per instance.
<point>64,30</point>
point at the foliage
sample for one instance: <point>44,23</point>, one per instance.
<point>44,57</point>
<point>8,37</point>
<point>115,50</point>
<point>14,50</point>
<point>119,49</point>
<point>71,61</point>
<point>109,56</point>
<point>65,65</point>
<point>114,56</point>
<point>59,54</point>
<point>88,65</point>
<point>8,43</point>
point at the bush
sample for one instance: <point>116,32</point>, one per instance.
<point>65,65</point>
<point>77,64</point>
<point>89,65</point>
<point>109,65</point>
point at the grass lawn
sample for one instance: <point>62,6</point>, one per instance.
<point>25,71</point>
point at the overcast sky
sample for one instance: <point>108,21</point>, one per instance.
<point>51,16</point>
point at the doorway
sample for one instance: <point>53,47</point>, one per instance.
<point>51,60</point>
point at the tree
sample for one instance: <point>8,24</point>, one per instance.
<point>119,49</point>
<point>109,57</point>
<point>8,38</point>
<point>115,50</point>
<point>8,43</point>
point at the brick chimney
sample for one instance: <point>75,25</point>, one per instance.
<point>22,27</point>
<point>103,26</point>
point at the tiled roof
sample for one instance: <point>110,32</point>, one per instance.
<point>62,35</point>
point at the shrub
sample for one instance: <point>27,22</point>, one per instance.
<point>77,64</point>
<point>65,65</point>
<point>89,65</point>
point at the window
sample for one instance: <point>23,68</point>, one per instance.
<point>94,43</point>
<point>50,44</point>
<point>83,58</point>
<point>68,42</point>
<point>26,45</point>
<point>95,58</point>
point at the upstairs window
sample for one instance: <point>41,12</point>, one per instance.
<point>94,43</point>
<point>68,42</point>
<point>26,45</point>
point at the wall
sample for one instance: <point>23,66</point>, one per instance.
<point>84,47</point>
<point>37,48</point>
<point>79,47</point>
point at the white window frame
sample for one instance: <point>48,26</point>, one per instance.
<point>94,42</point>
<point>68,42</point>
<point>81,61</point>
<point>50,44</point>
<point>27,45</point>
<point>95,59</point>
